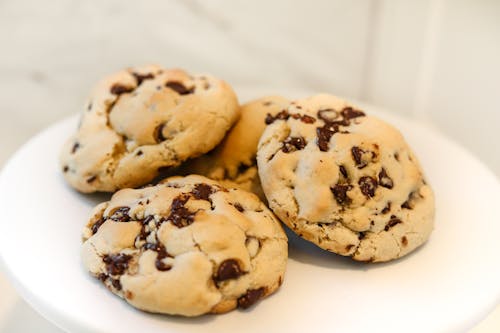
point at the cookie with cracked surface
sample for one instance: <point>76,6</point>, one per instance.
<point>345,181</point>
<point>233,162</point>
<point>143,119</point>
<point>187,246</point>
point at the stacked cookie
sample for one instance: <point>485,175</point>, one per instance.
<point>203,240</point>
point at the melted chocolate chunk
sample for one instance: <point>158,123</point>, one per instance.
<point>340,193</point>
<point>228,269</point>
<point>202,191</point>
<point>116,264</point>
<point>139,153</point>
<point>293,143</point>
<point>116,283</point>
<point>303,118</point>
<point>120,214</point>
<point>324,134</point>
<point>332,124</point>
<point>97,225</point>
<point>141,77</point>
<point>239,207</point>
<point>361,235</point>
<point>158,133</point>
<point>307,119</point>
<point>162,254</point>
<point>357,154</point>
<point>282,115</point>
<point>384,180</point>
<point>179,88</point>
<point>75,147</point>
<point>368,185</point>
<point>179,215</point>
<point>349,113</point>
<point>392,222</point>
<point>118,89</point>
<point>66,169</point>
<point>251,296</point>
<point>102,277</point>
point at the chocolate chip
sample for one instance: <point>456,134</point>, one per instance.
<point>161,266</point>
<point>357,154</point>
<point>384,180</point>
<point>139,153</point>
<point>102,277</point>
<point>324,134</point>
<point>343,171</point>
<point>141,77</point>
<point>250,297</point>
<point>404,241</point>
<point>120,214</point>
<point>386,208</point>
<point>239,207</point>
<point>361,235</point>
<point>228,269</point>
<point>396,156</point>
<point>116,264</point>
<point>282,115</point>
<point>202,191</point>
<point>118,89</point>
<point>89,106</point>
<point>350,113</point>
<point>158,133</point>
<point>97,225</point>
<point>368,185</point>
<point>303,118</point>
<point>340,193</point>
<point>66,169</point>
<point>392,222</point>
<point>91,179</point>
<point>75,147</point>
<point>293,143</point>
<point>162,254</point>
<point>179,88</point>
<point>308,119</point>
<point>116,283</point>
<point>179,215</point>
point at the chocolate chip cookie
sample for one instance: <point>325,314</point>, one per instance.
<point>142,120</point>
<point>186,246</point>
<point>233,162</point>
<point>346,181</point>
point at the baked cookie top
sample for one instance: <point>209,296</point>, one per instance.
<point>233,161</point>
<point>345,181</point>
<point>142,119</point>
<point>186,246</point>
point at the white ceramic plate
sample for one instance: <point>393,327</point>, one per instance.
<point>448,285</point>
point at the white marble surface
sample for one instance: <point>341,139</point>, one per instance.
<point>402,55</point>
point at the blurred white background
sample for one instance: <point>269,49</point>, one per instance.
<point>437,61</point>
